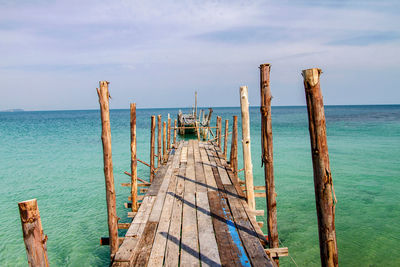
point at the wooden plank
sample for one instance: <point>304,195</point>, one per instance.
<point>145,244</point>
<point>174,234</point>
<point>201,185</point>
<point>127,250</point>
<point>155,185</point>
<point>221,169</point>
<point>189,243</point>
<point>212,186</point>
<point>190,185</point>
<point>209,255</point>
<point>160,241</point>
<point>230,253</point>
<point>249,237</point>
<point>277,252</point>
<point>184,153</point>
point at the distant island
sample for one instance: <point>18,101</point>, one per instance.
<point>13,110</point>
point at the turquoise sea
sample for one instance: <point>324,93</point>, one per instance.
<point>56,157</point>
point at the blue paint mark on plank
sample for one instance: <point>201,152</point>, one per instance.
<point>244,260</point>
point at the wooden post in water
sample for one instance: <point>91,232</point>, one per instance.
<point>135,205</point>
<point>267,156</point>
<point>248,166</point>
<point>104,96</point>
<point>322,174</point>
<point>219,126</point>
<point>35,240</point>
<point>164,158</point>
<point>169,134</point>
<point>152,146</point>
<point>159,157</point>
<point>226,138</point>
<point>198,131</point>
<point>234,148</point>
<point>175,133</point>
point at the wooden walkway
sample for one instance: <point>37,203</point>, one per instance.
<point>194,214</point>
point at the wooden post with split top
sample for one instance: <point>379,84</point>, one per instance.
<point>34,239</point>
<point>323,184</point>
<point>267,156</point>
<point>104,96</point>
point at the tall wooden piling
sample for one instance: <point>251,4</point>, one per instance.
<point>164,157</point>
<point>248,166</point>
<point>135,205</point>
<point>323,184</point>
<point>159,157</point>
<point>234,149</point>
<point>219,126</point>
<point>267,156</point>
<point>152,146</point>
<point>169,134</point>
<point>226,138</point>
<point>104,96</point>
<point>175,132</point>
<point>34,239</point>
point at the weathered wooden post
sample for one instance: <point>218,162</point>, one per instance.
<point>169,134</point>
<point>175,133</point>
<point>164,158</point>
<point>322,174</point>
<point>135,205</point>
<point>267,156</point>
<point>152,146</point>
<point>248,166</point>
<point>219,126</point>
<point>198,131</point>
<point>226,138</point>
<point>35,240</point>
<point>104,96</point>
<point>234,149</point>
<point>159,157</point>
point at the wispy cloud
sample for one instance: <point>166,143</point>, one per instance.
<point>187,44</point>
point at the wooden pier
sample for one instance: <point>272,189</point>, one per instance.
<point>195,211</point>
<point>194,214</point>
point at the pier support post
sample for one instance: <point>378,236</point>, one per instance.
<point>35,240</point>
<point>234,148</point>
<point>226,138</point>
<point>104,96</point>
<point>322,174</point>
<point>219,126</point>
<point>152,146</point>
<point>164,158</point>
<point>175,133</point>
<point>267,156</point>
<point>169,134</point>
<point>159,157</point>
<point>248,166</point>
<point>133,159</point>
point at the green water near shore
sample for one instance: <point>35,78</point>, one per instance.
<point>56,157</point>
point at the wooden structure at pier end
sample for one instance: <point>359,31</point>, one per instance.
<point>193,209</point>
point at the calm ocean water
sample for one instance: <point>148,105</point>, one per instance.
<point>56,157</point>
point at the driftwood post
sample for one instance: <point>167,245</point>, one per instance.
<point>164,158</point>
<point>159,158</point>
<point>267,156</point>
<point>108,167</point>
<point>226,138</point>
<point>152,146</point>
<point>133,159</point>
<point>198,130</point>
<point>322,174</point>
<point>175,133</point>
<point>234,149</point>
<point>35,240</point>
<point>248,166</point>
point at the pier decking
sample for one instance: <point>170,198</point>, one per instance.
<point>193,214</point>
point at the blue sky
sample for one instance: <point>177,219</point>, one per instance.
<point>156,53</point>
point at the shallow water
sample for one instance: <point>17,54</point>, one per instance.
<point>56,157</point>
